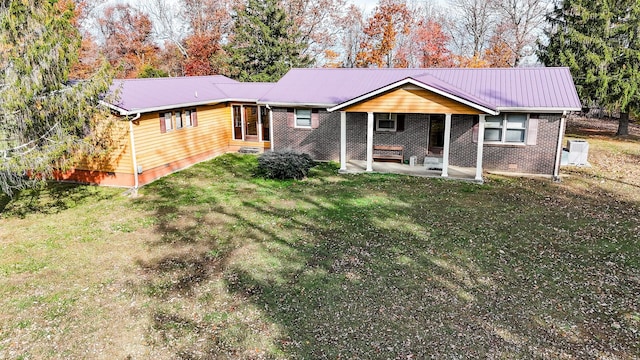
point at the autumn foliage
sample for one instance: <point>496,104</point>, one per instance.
<point>432,45</point>
<point>192,37</point>
<point>390,19</point>
<point>200,49</point>
<point>128,44</point>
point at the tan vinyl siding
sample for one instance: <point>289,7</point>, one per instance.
<point>115,134</point>
<point>155,149</point>
<point>412,101</point>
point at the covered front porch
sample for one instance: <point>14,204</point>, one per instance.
<point>454,172</point>
<point>363,125</point>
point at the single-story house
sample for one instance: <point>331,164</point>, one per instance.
<point>509,120</point>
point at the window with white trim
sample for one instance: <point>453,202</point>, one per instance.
<point>187,119</point>
<point>386,122</point>
<point>303,118</point>
<point>168,121</point>
<point>506,129</point>
<point>179,120</point>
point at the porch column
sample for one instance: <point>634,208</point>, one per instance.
<point>343,141</point>
<point>447,142</point>
<point>480,147</point>
<point>369,141</point>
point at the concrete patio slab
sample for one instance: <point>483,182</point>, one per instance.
<point>455,172</point>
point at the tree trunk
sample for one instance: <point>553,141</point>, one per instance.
<point>623,124</point>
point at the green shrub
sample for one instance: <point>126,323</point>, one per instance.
<point>284,164</point>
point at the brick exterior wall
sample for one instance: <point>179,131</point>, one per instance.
<point>413,138</point>
<point>531,159</point>
<point>357,136</point>
<point>323,143</point>
<point>463,151</point>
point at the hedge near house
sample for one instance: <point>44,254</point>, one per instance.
<point>284,164</point>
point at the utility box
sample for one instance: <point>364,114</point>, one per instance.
<point>578,152</point>
<point>413,160</point>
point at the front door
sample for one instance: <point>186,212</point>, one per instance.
<point>251,123</point>
<point>436,134</point>
<point>264,118</point>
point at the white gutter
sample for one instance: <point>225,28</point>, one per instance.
<point>125,112</point>
<point>537,110</point>
<point>301,105</point>
<point>556,170</point>
<point>134,159</point>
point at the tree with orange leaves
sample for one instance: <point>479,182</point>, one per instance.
<point>390,19</point>
<point>210,21</point>
<point>432,45</point>
<point>128,44</point>
<point>475,61</point>
<point>499,53</point>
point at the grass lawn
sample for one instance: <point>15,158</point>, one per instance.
<point>213,262</point>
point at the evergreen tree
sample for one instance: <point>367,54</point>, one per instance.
<point>599,41</point>
<point>44,118</point>
<point>265,43</point>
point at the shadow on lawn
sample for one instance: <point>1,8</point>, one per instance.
<point>52,197</point>
<point>377,266</point>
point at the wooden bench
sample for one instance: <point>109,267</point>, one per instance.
<point>388,152</point>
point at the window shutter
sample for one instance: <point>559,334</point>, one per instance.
<point>291,119</point>
<point>532,131</point>
<point>163,125</point>
<point>315,119</point>
<point>475,130</point>
<point>400,122</point>
<point>194,118</point>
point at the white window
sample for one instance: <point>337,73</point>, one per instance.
<point>386,122</point>
<point>506,128</point>
<point>187,119</point>
<point>303,118</point>
<point>168,122</point>
<point>179,123</point>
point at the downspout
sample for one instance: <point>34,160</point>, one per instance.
<point>270,126</point>
<point>134,159</point>
<point>556,170</point>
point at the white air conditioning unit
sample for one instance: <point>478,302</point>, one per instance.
<point>578,152</point>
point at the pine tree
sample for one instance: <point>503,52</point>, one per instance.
<point>599,41</point>
<point>44,118</point>
<point>265,43</point>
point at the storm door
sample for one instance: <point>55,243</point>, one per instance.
<point>251,123</point>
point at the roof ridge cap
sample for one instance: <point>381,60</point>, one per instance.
<point>174,78</point>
